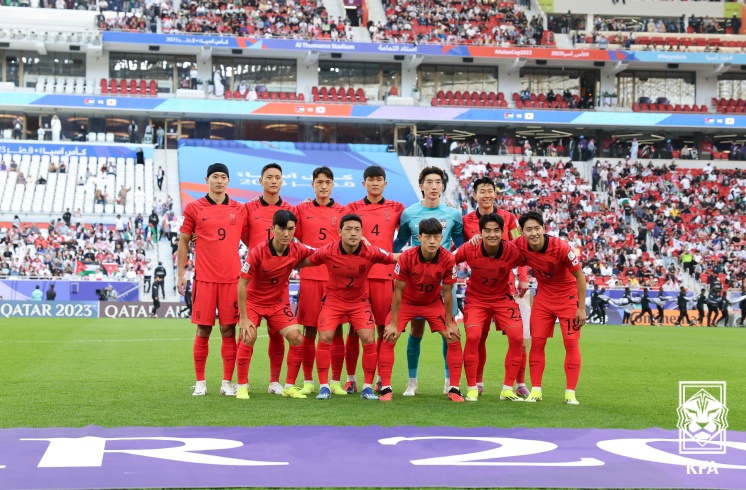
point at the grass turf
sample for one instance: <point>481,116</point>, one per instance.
<point>113,373</point>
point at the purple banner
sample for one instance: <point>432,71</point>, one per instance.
<point>94,457</point>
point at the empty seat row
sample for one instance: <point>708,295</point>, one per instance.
<point>652,107</point>
<point>131,87</point>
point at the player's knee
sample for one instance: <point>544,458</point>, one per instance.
<point>571,345</point>
<point>309,332</point>
<point>538,344</point>
<point>473,334</point>
<point>204,331</point>
<point>326,337</point>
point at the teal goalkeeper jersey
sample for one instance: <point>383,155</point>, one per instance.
<point>450,218</point>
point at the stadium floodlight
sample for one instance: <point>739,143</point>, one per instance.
<point>619,66</point>
<point>717,70</point>
<point>311,58</point>
<point>517,64</point>
<point>414,61</point>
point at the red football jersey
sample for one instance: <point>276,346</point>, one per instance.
<point>490,276</point>
<point>553,266</point>
<point>219,227</point>
<point>259,216</point>
<point>424,278</point>
<point>511,230</point>
<point>380,222</point>
<point>348,273</point>
<point>269,273</point>
<point>319,225</point>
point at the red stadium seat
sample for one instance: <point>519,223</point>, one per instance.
<point>104,87</point>
<point>153,88</point>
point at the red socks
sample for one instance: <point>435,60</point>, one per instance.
<point>537,360</point>
<point>471,354</point>
<point>386,362</point>
<point>482,353</point>
<point>572,362</point>
<point>295,357</point>
<point>352,352</point>
<point>514,359</point>
<point>201,349</point>
<point>455,360</point>
<point>521,377</point>
<point>243,360</point>
<point>276,351</point>
<point>370,362</point>
<point>309,355</point>
<point>228,352</point>
<point>338,356</point>
<point>323,359</point>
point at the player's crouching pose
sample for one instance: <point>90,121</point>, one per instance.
<point>488,294</point>
<point>349,262</point>
<point>425,275</point>
<point>262,292</point>
<point>560,296</point>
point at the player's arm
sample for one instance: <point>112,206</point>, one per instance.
<point>181,260</point>
<point>580,315</point>
<point>451,327</point>
<point>391,332</point>
<point>394,257</point>
<point>457,235</point>
<point>522,280</point>
<point>247,330</point>
<point>405,233</point>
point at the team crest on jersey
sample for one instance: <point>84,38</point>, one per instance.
<point>443,223</point>
<point>387,215</point>
<point>502,271</point>
<point>334,221</point>
<point>438,276</point>
<point>233,219</point>
<point>551,266</point>
<point>361,269</point>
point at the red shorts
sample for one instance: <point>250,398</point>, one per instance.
<point>210,296</point>
<point>278,316</point>
<point>380,293</point>
<point>310,295</point>
<point>504,310</point>
<point>544,317</point>
<point>433,314</point>
<point>335,312</point>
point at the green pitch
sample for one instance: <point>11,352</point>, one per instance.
<point>72,373</point>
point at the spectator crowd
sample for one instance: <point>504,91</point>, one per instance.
<point>657,227</point>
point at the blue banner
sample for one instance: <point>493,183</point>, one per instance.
<point>245,160</point>
<point>48,309</point>
<point>21,289</point>
<point>63,149</point>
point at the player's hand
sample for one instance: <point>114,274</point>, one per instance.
<point>580,317</point>
<point>181,284</point>
<point>391,333</point>
<point>247,330</point>
<point>522,289</point>
<point>453,332</point>
<point>475,239</point>
<point>194,238</point>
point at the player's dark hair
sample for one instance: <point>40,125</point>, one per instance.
<point>350,217</point>
<point>269,166</point>
<point>431,170</point>
<point>323,171</point>
<point>491,218</point>
<point>430,226</point>
<point>534,215</point>
<point>374,171</point>
<point>484,181</point>
<point>282,217</point>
